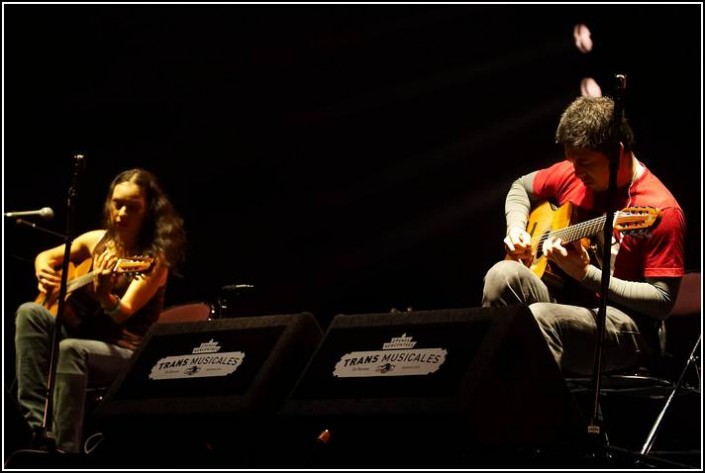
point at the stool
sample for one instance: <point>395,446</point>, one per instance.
<point>636,399</point>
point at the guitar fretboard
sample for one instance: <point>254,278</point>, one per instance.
<point>122,266</point>
<point>572,232</point>
<point>579,230</point>
<point>79,282</point>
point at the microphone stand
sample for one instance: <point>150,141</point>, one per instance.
<point>21,221</point>
<point>45,433</point>
<point>595,428</point>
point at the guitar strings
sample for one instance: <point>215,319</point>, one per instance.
<point>580,227</point>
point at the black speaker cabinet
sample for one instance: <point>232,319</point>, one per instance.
<point>415,382</point>
<point>192,382</point>
<point>247,364</point>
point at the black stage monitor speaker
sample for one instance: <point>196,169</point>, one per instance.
<point>228,366</point>
<point>204,394</point>
<point>456,376</point>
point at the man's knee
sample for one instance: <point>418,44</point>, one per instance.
<point>543,311</point>
<point>503,275</point>
<point>502,271</point>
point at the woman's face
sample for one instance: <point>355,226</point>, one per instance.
<point>128,208</point>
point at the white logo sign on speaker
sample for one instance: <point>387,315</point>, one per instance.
<point>205,361</point>
<point>397,357</point>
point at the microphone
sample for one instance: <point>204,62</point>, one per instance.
<point>621,82</point>
<point>237,288</point>
<point>228,293</point>
<point>46,213</point>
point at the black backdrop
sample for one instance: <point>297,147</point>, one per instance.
<point>341,158</point>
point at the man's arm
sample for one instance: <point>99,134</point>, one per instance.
<point>517,205</point>
<point>654,298</point>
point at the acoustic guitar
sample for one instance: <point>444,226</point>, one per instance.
<point>546,221</point>
<point>78,306</point>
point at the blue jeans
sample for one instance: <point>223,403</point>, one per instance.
<point>569,330</point>
<point>81,363</point>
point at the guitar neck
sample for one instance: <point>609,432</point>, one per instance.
<point>124,266</point>
<point>579,230</point>
<point>80,281</point>
<point>546,222</point>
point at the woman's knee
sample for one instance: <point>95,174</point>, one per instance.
<point>72,356</point>
<point>31,314</point>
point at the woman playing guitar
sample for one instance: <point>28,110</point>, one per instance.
<point>108,308</point>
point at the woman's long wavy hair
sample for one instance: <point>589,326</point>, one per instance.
<point>162,233</point>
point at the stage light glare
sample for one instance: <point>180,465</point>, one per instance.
<point>583,38</point>
<point>590,88</point>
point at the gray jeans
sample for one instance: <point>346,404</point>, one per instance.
<point>81,363</point>
<point>569,330</point>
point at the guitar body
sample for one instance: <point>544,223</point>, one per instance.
<point>50,301</point>
<point>76,303</point>
<point>79,306</point>
<point>544,219</point>
<point>548,221</point>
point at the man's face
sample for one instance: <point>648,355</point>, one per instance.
<point>591,167</point>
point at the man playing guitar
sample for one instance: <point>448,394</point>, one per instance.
<point>646,271</point>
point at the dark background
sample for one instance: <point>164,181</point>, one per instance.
<point>340,158</point>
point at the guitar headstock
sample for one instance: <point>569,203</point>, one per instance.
<point>636,221</point>
<point>134,264</point>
